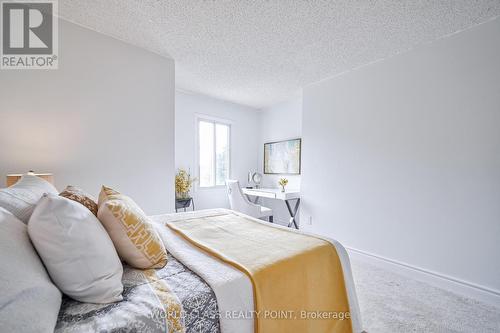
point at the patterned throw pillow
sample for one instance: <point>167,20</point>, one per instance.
<point>77,194</point>
<point>135,238</point>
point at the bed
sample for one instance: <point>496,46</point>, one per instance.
<point>142,308</point>
<point>194,292</point>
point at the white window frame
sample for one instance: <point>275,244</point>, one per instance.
<point>214,120</point>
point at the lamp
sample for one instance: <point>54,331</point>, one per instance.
<point>13,178</point>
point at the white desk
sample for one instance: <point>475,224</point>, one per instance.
<point>275,193</point>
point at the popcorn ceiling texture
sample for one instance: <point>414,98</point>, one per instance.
<point>258,53</point>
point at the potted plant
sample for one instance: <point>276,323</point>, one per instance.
<point>183,184</point>
<point>283,182</point>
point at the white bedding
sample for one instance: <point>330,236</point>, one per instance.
<point>232,288</point>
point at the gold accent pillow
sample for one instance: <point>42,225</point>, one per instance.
<point>135,238</point>
<point>77,194</point>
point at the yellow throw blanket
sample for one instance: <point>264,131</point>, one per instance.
<point>297,279</point>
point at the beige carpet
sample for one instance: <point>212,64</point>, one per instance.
<point>394,303</point>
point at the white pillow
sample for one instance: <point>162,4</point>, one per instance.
<point>29,301</point>
<point>21,198</point>
<point>76,249</point>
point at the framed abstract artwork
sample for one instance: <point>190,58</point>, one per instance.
<point>282,157</point>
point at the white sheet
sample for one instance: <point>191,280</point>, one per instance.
<point>232,288</point>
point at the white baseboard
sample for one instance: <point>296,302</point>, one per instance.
<point>449,283</point>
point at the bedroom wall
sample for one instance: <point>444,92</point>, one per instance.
<point>280,122</point>
<point>106,116</point>
<point>401,158</point>
<point>245,133</point>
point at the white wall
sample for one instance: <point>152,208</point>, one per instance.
<point>401,158</point>
<point>245,134</point>
<point>280,122</point>
<point>106,116</point>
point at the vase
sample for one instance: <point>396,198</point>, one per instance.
<point>282,188</point>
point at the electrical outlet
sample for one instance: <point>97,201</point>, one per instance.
<point>310,220</point>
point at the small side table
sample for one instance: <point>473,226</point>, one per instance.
<point>183,203</point>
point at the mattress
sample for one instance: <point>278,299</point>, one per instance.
<point>212,295</point>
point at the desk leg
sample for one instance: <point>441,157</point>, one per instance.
<point>293,212</point>
<point>255,199</point>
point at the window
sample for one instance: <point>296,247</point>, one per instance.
<point>213,152</point>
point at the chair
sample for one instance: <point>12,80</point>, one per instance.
<point>239,202</point>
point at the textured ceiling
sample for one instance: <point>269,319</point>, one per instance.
<point>262,52</point>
